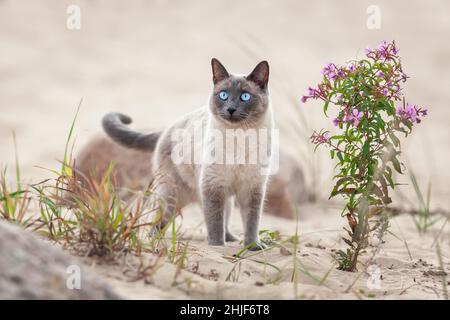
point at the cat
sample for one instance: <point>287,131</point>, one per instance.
<point>132,171</point>
<point>236,102</point>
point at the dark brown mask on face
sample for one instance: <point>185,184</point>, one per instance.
<point>239,99</point>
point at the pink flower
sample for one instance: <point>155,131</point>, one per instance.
<point>321,137</point>
<point>336,122</point>
<point>312,94</point>
<point>354,117</point>
<point>383,46</point>
<point>351,67</point>
<point>385,50</point>
<point>411,113</point>
<point>332,72</point>
<point>328,69</point>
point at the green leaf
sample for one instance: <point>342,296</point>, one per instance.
<point>366,148</point>
<point>396,164</point>
<point>388,175</point>
<point>325,108</point>
<point>395,140</point>
<point>342,181</point>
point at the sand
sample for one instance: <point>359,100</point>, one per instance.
<point>406,266</point>
<point>150,59</point>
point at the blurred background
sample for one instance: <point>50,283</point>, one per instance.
<point>151,60</point>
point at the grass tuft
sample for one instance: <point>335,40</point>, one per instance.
<point>14,203</point>
<point>423,219</point>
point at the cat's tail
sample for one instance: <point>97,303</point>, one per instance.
<point>114,125</point>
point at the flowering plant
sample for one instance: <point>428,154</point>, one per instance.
<point>365,93</point>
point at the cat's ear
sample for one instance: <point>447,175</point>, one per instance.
<point>218,70</point>
<point>260,75</point>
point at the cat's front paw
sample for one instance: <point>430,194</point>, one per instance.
<point>256,245</point>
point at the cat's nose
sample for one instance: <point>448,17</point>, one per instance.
<point>231,110</point>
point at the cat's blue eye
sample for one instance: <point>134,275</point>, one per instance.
<point>245,96</point>
<point>223,95</point>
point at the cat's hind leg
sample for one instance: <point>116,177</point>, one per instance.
<point>167,205</point>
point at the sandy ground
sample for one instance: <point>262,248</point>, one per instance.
<point>213,272</point>
<point>150,59</point>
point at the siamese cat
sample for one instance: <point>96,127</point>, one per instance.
<point>237,102</point>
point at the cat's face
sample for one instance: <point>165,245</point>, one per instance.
<point>239,100</point>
